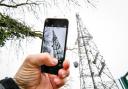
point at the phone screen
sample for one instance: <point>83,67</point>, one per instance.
<point>54,41</point>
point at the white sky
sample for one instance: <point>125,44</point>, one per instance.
<point>108,24</point>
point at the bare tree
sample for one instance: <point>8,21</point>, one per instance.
<point>10,9</point>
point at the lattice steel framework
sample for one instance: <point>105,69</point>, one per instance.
<point>57,50</point>
<point>94,73</point>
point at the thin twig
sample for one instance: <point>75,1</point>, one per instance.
<point>17,5</point>
<point>91,3</point>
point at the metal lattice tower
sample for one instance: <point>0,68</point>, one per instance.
<point>94,73</point>
<point>57,50</point>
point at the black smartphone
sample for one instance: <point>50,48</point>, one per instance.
<point>54,42</point>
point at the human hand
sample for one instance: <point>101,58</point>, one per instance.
<point>30,76</point>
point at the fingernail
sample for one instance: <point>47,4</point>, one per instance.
<point>55,61</point>
<point>64,75</point>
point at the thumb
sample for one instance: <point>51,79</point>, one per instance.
<point>42,59</point>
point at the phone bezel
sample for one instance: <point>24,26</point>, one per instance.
<point>55,22</point>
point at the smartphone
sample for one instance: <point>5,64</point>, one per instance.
<point>54,42</point>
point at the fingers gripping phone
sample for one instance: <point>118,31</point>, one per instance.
<point>54,42</point>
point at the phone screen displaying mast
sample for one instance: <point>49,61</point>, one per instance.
<point>54,41</point>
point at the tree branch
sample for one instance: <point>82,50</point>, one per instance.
<point>91,3</point>
<point>17,5</point>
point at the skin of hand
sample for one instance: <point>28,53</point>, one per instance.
<point>29,76</point>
